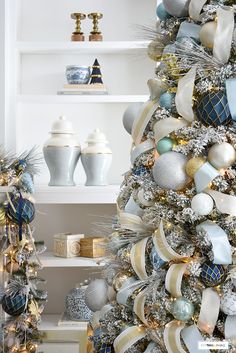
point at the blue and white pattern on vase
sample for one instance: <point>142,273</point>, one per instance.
<point>77,75</point>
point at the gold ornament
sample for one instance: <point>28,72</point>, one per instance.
<point>208,33</point>
<point>12,266</point>
<point>31,347</point>
<point>155,50</point>
<point>120,279</point>
<point>23,349</point>
<point>34,309</point>
<point>2,216</point>
<point>193,165</point>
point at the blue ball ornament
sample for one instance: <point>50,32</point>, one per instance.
<point>161,12</point>
<point>213,109</point>
<point>106,348</point>
<point>14,304</point>
<point>165,145</point>
<point>167,100</point>
<point>155,259</point>
<point>212,275</point>
<point>23,212</point>
<point>182,309</point>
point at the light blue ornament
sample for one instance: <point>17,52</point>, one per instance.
<point>189,30</point>
<point>166,100</point>
<point>27,182</point>
<point>165,145</point>
<point>156,261</point>
<point>182,309</point>
<point>161,12</point>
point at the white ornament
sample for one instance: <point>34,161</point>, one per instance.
<point>228,303</point>
<point>142,200</point>
<point>208,33</point>
<point>222,155</point>
<point>96,295</point>
<point>177,8</point>
<point>169,171</point>
<point>130,115</point>
<point>202,204</point>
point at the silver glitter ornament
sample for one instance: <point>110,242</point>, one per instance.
<point>76,308</point>
<point>177,8</point>
<point>228,303</point>
<point>169,171</point>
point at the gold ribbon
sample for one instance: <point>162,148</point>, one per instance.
<point>137,257</point>
<point>139,306</point>
<point>174,278</point>
<point>162,247</point>
<point>172,337</point>
<point>128,338</point>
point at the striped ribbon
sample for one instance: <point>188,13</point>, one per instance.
<point>131,222</point>
<point>128,338</point>
<point>172,337</point>
<point>209,312</point>
<point>174,277</point>
<point>137,257</point>
<point>139,306</point>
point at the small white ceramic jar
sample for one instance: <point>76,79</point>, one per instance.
<point>61,153</point>
<point>96,159</point>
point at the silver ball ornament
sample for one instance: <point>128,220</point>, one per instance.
<point>228,303</point>
<point>208,33</point>
<point>169,171</point>
<point>96,294</point>
<point>182,309</point>
<point>222,155</point>
<point>130,115</point>
<point>177,8</point>
<point>202,204</point>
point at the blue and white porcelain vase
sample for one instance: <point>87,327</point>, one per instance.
<point>96,159</point>
<point>77,75</point>
<point>61,153</point>
<point>76,309</point>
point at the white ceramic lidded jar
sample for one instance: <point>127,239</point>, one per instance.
<point>96,159</point>
<point>61,153</point>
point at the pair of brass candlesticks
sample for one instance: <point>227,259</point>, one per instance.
<point>95,34</point>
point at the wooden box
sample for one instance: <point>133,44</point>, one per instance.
<point>67,244</point>
<point>93,247</point>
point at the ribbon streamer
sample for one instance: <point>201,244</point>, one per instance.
<point>224,203</point>
<point>164,127</point>
<point>204,176</point>
<point>140,123</point>
<point>128,338</point>
<point>192,337</point>
<point>156,88</point>
<point>195,8</point>
<point>184,95</point>
<point>137,257</point>
<point>162,247</point>
<point>230,90</point>
<point>132,207</point>
<point>174,278</point>
<point>224,35</point>
<point>131,222</point>
<point>139,306</point>
<point>172,337</point>
<point>230,331</point>
<point>220,243</point>
<point>209,312</point>
<point>126,290</point>
<point>140,149</point>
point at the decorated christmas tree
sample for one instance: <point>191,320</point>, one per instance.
<point>173,247</point>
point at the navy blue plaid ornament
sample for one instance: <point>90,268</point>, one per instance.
<point>213,109</point>
<point>106,348</point>
<point>212,275</point>
<point>14,304</point>
<point>24,211</point>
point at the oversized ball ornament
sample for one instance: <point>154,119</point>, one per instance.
<point>165,145</point>
<point>155,50</point>
<point>182,309</point>
<point>161,12</point>
<point>23,212</point>
<point>130,114</point>
<point>208,33</point>
<point>212,275</point>
<point>228,303</point>
<point>177,8</point>
<point>96,294</point>
<point>14,304</point>
<point>222,155</point>
<point>202,204</point>
<point>169,171</point>
<point>193,165</point>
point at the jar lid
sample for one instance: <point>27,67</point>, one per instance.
<point>97,137</point>
<point>62,126</point>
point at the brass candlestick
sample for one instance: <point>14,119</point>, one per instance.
<point>78,35</point>
<point>95,34</point>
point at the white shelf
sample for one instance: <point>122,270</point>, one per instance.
<point>76,194</point>
<point>74,99</point>
<point>49,260</point>
<point>50,323</point>
<point>118,47</point>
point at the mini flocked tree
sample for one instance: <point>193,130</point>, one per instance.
<point>174,245</point>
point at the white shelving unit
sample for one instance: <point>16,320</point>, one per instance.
<point>35,49</point>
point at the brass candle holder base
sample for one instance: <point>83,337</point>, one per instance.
<point>95,34</point>
<point>78,35</point>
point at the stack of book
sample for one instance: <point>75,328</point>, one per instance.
<point>89,89</point>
